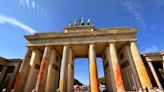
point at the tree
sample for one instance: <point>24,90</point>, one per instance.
<point>77,82</point>
<point>102,80</point>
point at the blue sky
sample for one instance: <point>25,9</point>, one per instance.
<point>22,17</point>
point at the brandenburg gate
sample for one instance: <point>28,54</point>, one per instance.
<point>49,62</point>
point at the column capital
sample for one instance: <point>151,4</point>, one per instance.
<point>132,40</point>
<point>73,53</point>
<point>49,46</point>
<point>92,43</point>
<point>68,45</point>
<point>162,52</point>
<point>31,47</point>
<point>112,42</point>
<point>35,48</point>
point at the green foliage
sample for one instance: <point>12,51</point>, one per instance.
<point>77,82</point>
<point>102,80</point>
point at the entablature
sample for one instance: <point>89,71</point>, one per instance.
<point>61,38</point>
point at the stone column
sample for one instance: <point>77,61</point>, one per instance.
<point>13,77</point>
<point>42,76</point>
<point>23,72</point>
<point>154,74</point>
<point>116,68</point>
<point>141,70</point>
<point>136,79</point>
<point>106,66</point>
<point>53,72</point>
<point>34,70</point>
<point>63,71</point>
<point>70,72</point>
<point>3,74</point>
<point>162,53</point>
<point>110,70</point>
<point>93,69</point>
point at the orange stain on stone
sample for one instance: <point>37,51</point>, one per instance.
<point>118,77</point>
<point>61,85</point>
<point>40,76</point>
<point>94,77</point>
<point>42,68</point>
<point>19,78</point>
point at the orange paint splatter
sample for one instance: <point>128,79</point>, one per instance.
<point>118,77</point>
<point>94,77</point>
<point>40,76</point>
<point>61,85</point>
<point>18,80</point>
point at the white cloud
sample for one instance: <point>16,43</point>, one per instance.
<point>2,22</point>
<point>27,3</point>
<point>13,21</point>
<point>134,8</point>
<point>150,49</point>
<point>33,4</point>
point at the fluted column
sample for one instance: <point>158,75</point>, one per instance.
<point>10,84</point>
<point>3,73</point>
<point>23,72</point>
<point>111,85</point>
<point>42,76</point>
<point>162,53</point>
<point>141,70</point>
<point>70,72</point>
<point>154,74</point>
<point>93,69</point>
<point>107,78</point>
<point>63,71</point>
<point>116,68</point>
<point>53,72</point>
<point>136,80</point>
<point>34,70</point>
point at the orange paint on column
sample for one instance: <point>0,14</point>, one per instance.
<point>118,77</point>
<point>19,78</point>
<point>23,72</point>
<point>41,81</point>
<point>64,67</point>
<point>116,68</point>
<point>40,76</point>
<point>140,67</point>
<point>94,77</point>
<point>61,85</point>
<point>93,69</point>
